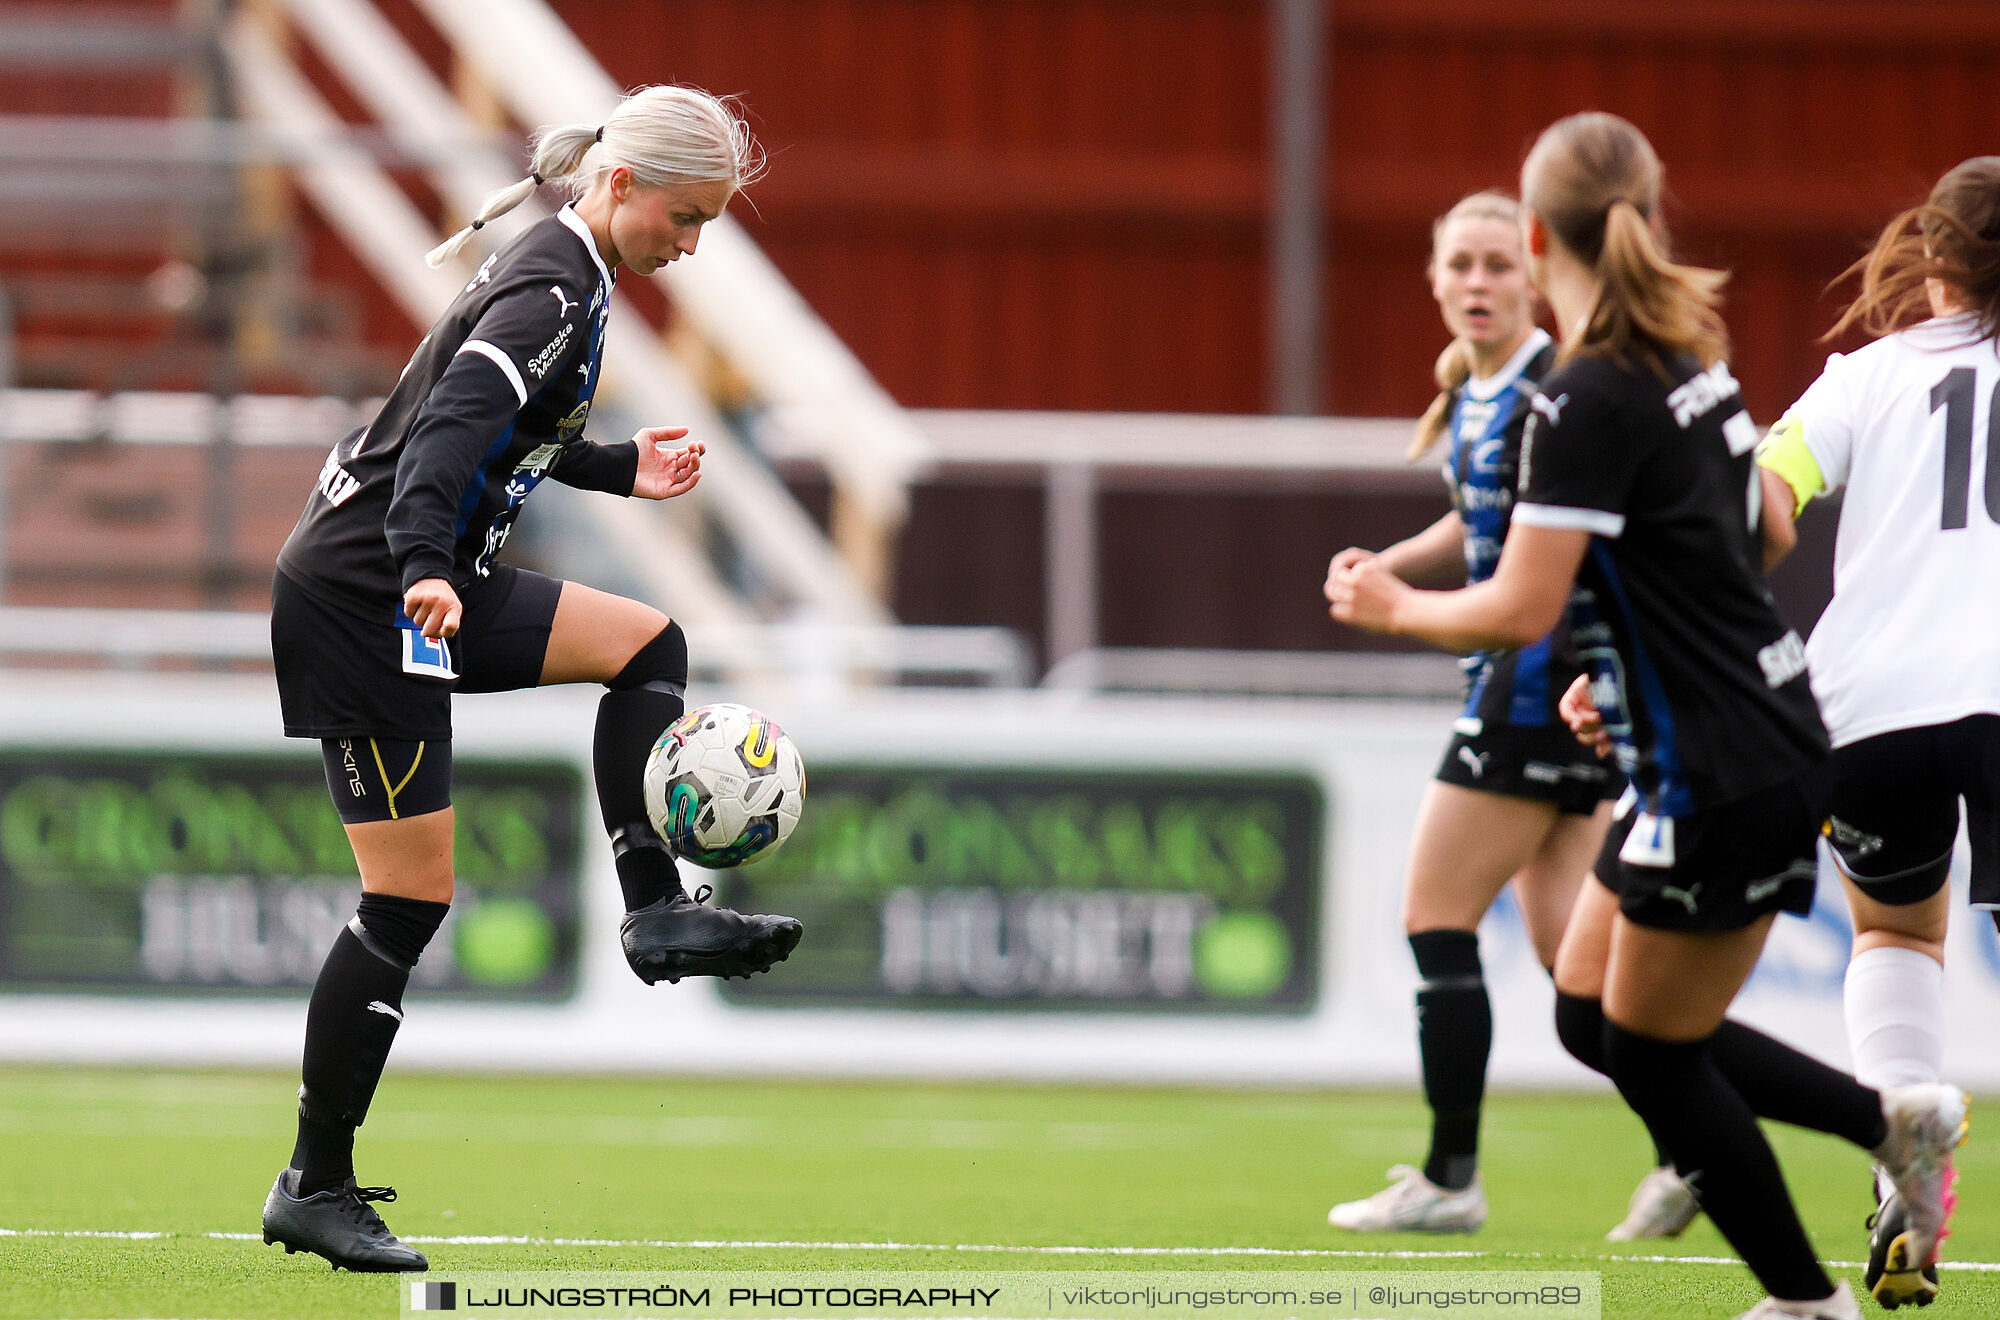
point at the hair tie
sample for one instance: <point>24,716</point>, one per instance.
<point>539,180</point>
<point>600,133</point>
<point>478,224</point>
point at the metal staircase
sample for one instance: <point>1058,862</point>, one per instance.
<point>241,112</point>
<point>740,307</point>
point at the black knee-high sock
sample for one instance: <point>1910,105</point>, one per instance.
<point>1454,1036</point>
<point>628,723</point>
<point>351,1022</point>
<point>1713,1136</point>
<point>1580,1027</point>
<point>1775,1080</point>
<point>1783,1084</point>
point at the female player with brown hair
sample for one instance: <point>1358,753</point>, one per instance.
<point>1640,491</point>
<point>1906,659</point>
<point>1515,799</point>
<point>389,598</point>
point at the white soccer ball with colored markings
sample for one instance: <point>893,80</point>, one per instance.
<point>724,785</point>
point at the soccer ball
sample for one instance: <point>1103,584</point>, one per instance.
<point>724,785</point>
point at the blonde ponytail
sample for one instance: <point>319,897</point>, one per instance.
<point>558,153</point>
<point>1453,369</point>
<point>665,135</point>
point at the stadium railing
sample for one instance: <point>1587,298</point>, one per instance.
<point>827,653</point>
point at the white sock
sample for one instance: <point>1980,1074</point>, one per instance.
<point>1894,999</point>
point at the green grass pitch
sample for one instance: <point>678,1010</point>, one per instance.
<point>798,1174</point>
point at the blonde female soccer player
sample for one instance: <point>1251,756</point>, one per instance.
<point>390,597</point>
<point>1515,799</point>
<point>1640,489</point>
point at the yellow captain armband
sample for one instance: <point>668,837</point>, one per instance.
<point>1785,452</point>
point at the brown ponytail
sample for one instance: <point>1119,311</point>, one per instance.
<point>1595,182</point>
<point>1954,236</point>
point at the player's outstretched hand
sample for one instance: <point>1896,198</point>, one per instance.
<point>666,471</point>
<point>1365,594</point>
<point>433,606</point>
<point>1579,711</point>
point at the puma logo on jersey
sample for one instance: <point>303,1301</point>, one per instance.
<point>335,481</point>
<point>562,300</point>
<point>485,275</point>
<point>1474,761</point>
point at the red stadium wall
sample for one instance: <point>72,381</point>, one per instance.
<point>1062,203</point>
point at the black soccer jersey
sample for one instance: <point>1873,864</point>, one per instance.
<point>493,401</point>
<point>1702,685</point>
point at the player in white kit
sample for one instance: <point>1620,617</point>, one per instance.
<point>1906,660</point>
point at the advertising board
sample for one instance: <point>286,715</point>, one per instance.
<point>205,872</point>
<point>1032,887</point>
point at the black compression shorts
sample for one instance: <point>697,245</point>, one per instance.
<point>1893,816</point>
<point>386,778</point>
<point>341,675</point>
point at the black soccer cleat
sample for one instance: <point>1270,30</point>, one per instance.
<point>675,936</point>
<point>1889,1277</point>
<point>339,1225</point>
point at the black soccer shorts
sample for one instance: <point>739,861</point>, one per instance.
<point>1892,817</point>
<point>342,675</point>
<point>1544,764</point>
<point>1720,868</point>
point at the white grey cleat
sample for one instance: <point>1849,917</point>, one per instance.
<point>1840,1306</point>
<point>1926,1124</point>
<point>1662,1206</point>
<point>1412,1203</point>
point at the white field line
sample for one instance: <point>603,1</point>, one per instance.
<point>980,1248</point>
